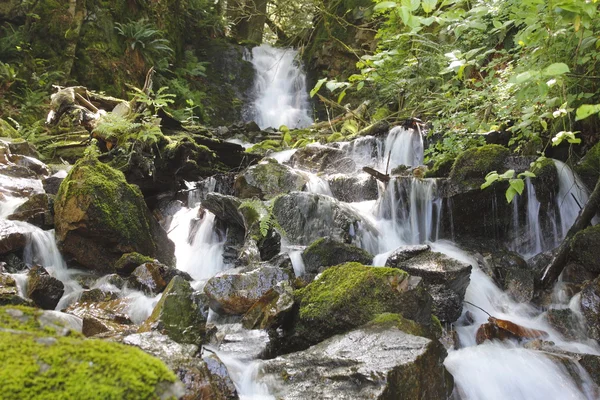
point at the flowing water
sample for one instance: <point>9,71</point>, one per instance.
<point>281,97</point>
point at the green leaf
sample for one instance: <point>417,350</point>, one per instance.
<point>287,138</point>
<point>518,185</point>
<point>412,5</point>
<point>489,179</point>
<point>508,174</point>
<point>284,128</point>
<point>360,86</point>
<point>341,96</point>
<point>586,110</point>
<point>526,174</point>
<point>384,5</point>
<point>510,194</point>
<point>555,69</point>
<point>525,76</point>
<point>318,85</point>
<point>428,5</point>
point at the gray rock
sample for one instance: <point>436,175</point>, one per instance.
<point>179,314</point>
<point>565,321</point>
<point>352,188</point>
<point>267,180</point>
<point>38,210</point>
<point>271,309</point>
<point>319,158</point>
<point>446,278</point>
<point>236,290</point>
<point>306,217</point>
<point>43,289</point>
<point>153,277</point>
<point>13,236</point>
<point>326,252</point>
<point>590,307</point>
<point>368,363</point>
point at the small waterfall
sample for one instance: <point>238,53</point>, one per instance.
<point>280,89</point>
<point>316,184</point>
<point>503,370</point>
<point>571,196</point>
<point>403,147</point>
<point>41,250</point>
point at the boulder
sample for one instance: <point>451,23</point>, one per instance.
<point>153,277</point>
<point>13,236</point>
<point>97,295</point>
<point>318,158</point>
<point>39,351</point>
<point>99,217</point>
<point>590,307</point>
<point>236,290</point>
<point>306,217</point>
<point>179,314</point>
<point>372,362</point>
<point>566,322</point>
<point>38,210</point>
<point>585,249</point>
<point>446,278</point>
<point>204,378</point>
<point>269,245</point>
<point>326,252</point>
<point>349,295</point>
<point>128,262</point>
<point>268,179</point>
<point>12,263</point>
<point>352,188</point>
<point>107,318</point>
<point>271,309</point>
<point>229,220</point>
<point>45,290</point>
<point>52,183</point>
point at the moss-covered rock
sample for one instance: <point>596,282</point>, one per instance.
<point>267,180</point>
<point>472,165</point>
<point>545,183</point>
<point>326,252</point>
<point>39,363</point>
<point>585,248</point>
<point>178,314</point>
<point>349,295</point>
<point>130,261</point>
<point>99,217</point>
<point>589,166</point>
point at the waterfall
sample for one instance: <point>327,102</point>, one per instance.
<point>403,147</point>
<point>280,89</point>
<point>571,196</point>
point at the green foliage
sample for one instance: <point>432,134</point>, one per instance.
<point>141,37</point>
<point>259,217</point>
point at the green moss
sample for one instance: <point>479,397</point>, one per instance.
<point>440,168</point>
<point>7,130</point>
<point>262,147</point>
<point>325,252</point>
<point>108,194</point>
<point>436,326</point>
<point>346,296</point>
<point>26,322</point>
<point>589,166</point>
<point>397,320</point>
<point>585,248</point>
<point>472,165</point>
<point>130,261</point>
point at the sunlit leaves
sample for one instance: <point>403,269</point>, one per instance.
<point>555,69</point>
<point>428,5</point>
<point>565,135</point>
<point>318,85</point>
<point>586,110</point>
<point>384,5</point>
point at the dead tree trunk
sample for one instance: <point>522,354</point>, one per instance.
<point>584,218</point>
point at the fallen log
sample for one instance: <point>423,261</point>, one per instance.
<point>560,259</point>
<point>377,175</point>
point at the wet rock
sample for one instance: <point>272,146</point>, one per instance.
<point>108,318</point>
<point>585,249</point>
<point>471,166</point>
<point>446,278</point>
<point>41,352</point>
<point>349,295</point>
<point>38,168</point>
<point>565,321</point>
<point>326,252</point>
<point>97,295</point>
<point>153,277</point>
<point>204,378</point>
<point>270,245</point>
<point>13,236</point>
<point>577,274</point>
<point>236,290</point>
<point>13,263</point>
<point>519,283</point>
<point>512,273</point>
<point>268,179</point>
<point>99,217</point>
<point>271,309</point>
<point>230,221</point>
<point>319,158</point>
<point>52,183</point>
<point>306,217</point>
<point>9,293</point>
<point>178,314</point>
<point>590,307</point>
<point>373,362</point>
<point>43,289</point>
<point>352,188</point>
<point>129,262</point>
<point>19,187</point>
<point>38,211</point>
<point>20,146</point>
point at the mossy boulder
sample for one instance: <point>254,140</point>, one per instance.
<point>178,314</point>
<point>130,261</point>
<point>472,165</point>
<point>326,252</point>
<point>349,295</point>
<point>39,362</point>
<point>99,217</point>
<point>153,277</point>
<point>268,179</point>
<point>545,183</point>
<point>585,248</point>
<point>589,166</point>
<point>271,310</point>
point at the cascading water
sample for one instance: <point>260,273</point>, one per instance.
<point>280,91</point>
